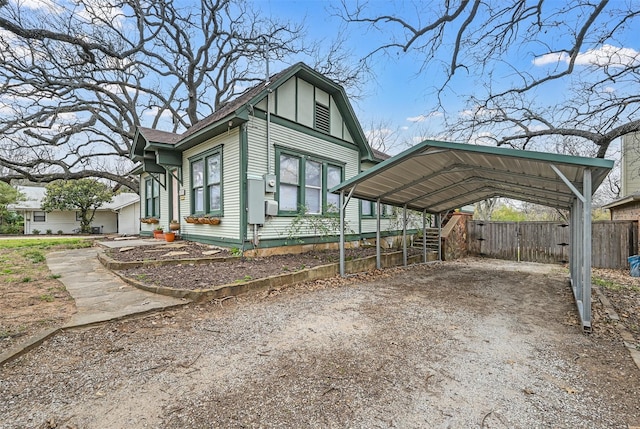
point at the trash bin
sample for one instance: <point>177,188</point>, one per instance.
<point>634,265</point>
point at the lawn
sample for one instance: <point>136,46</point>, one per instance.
<point>32,297</point>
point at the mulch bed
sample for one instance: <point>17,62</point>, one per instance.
<point>204,276</point>
<point>164,251</point>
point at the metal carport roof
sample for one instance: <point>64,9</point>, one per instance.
<point>436,176</point>
<point>439,176</point>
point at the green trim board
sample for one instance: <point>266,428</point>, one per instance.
<point>154,200</point>
<point>295,126</point>
<point>302,159</point>
<point>204,157</point>
<point>244,168</point>
<point>217,241</point>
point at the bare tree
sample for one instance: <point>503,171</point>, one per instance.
<point>485,208</point>
<point>541,68</point>
<point>77,78</point>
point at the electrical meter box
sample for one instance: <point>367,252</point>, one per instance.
<point>271,208</point>
<point>270,183</point>
<point>255,197</point>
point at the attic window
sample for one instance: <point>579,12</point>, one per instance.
<point>322,118</point>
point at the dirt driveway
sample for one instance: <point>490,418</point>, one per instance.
<point>459,344</point>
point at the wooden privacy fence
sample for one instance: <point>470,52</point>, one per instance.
<point>612,242</point>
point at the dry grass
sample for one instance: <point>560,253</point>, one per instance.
<point>32,297</point>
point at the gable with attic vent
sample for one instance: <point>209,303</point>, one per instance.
<point>301,102</point>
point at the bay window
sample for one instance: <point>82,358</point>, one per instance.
<point>304,181</point>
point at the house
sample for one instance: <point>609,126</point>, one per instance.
<point>257,163</point>
<point>627,207</point>
<point>121,215</point>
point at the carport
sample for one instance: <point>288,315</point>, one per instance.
<point>435,177</point>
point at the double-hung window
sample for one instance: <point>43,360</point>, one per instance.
<point>39,216</point>
<point>152,198</point>
<point>304,182</point>
<point>313,187</point>
<point>334,178</point>
<point>206,183</point>
<point>370,209</point>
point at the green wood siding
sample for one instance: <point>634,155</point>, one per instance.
<point>630,164</point>
<point>276,227</point>
<point>229,227</point>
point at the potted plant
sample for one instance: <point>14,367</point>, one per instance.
<point>169,236</point>
<point>210,220</point>
<point>158,232</point>
<point>174,225</point>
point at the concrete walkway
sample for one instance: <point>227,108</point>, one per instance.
<point>100,296</point>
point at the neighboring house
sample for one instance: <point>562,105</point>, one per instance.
<point>121,215</point>
<point>627,207</point>
<point>254,167</point>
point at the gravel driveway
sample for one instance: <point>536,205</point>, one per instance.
<point>474,343</point>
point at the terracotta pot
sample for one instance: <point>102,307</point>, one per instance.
<point>169,236</point>
<point>158,234</point>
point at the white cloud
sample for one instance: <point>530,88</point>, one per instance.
<point>606,55</point>
<point>552,58</point>
<point>153,112</point>
<point>102,13</point>
<point>479,112</point>
<point>422,118</point>
<point>117,89</point>
<point>46,5</point>
<point>378,136</point>
<point>6,110</point>
<point>609,89</point>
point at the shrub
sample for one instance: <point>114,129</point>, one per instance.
<point>49,232</point>
<point>60,232</point>
<point>35,231</point>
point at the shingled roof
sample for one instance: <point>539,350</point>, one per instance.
<point>157,136</point>
<point>234,104</point>
<point>238,110</point>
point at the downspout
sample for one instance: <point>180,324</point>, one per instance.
<point>267,80</point>
<point>378,244</point>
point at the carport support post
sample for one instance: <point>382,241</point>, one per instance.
<point>404,235</point>
<point>341,233</point>
<point>439,236</point>
<point>586,267</point>
<point>378,243</point>
<point>581,242</point>
<point>341,212</point>
<point>424,236</point>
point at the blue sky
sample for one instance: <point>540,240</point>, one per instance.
<point>401,94</point>
<point>400,91</point>
<point>397,93</point>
